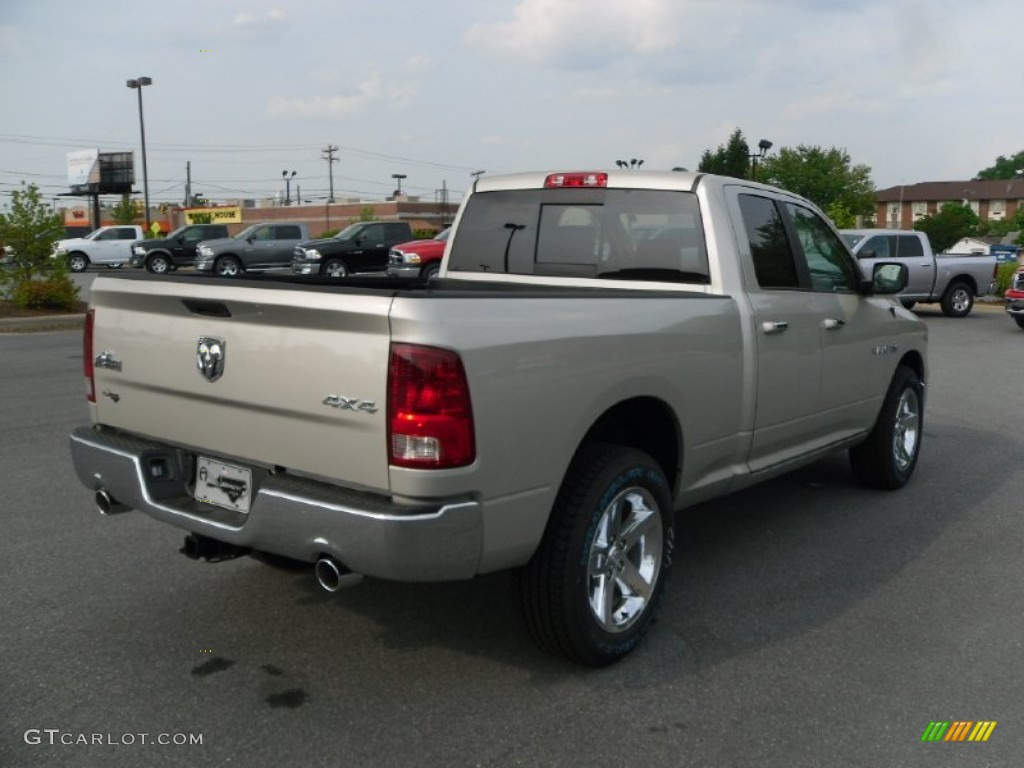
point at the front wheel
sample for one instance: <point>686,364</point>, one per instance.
<point>1019,321</point>
<point>335,268</point>
<point>430,271</point>
<point>78,262</point>
<point>593,586</point>
<point>958,300</point>
<point>158,264</point>
<point>227,266</point>
<point>886,459</point>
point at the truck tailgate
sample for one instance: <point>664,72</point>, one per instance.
<point>303,384</point>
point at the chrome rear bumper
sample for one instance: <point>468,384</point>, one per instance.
<point>290,516</point>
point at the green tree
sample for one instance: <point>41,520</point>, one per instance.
<point>366,214</point>
<point>953,222</point>
<point>731,159</point>
<point>1004,168</point>
<point>826,177</point>
<point>127,211</point>
<point>29,230</point>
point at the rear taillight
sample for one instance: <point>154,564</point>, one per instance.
<point>87,364</point>
<point>430,418</point>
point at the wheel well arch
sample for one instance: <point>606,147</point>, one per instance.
<point>915,362</point>
<point>647,424</point>
<point>79,253</point>
<point>970,281</point>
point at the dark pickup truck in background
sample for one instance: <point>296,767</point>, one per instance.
<point>360,247</point>
<point>178,249</point>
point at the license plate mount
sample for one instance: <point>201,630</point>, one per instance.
<point>223,485</point>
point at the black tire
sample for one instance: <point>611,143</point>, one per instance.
<point>887,458</point>
<point>574,574</point>
<point>335,268</point>
<point>227,266</point>
<point>430,271</point>
<point>78,262</point>
<point>1020,322</point>
<point>158,264</point>
<point>908,303</point>
<point>958,300</point>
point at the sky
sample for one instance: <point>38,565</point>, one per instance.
<point>917,90</point>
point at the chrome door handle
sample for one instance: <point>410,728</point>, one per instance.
<point>774,326</point>
<point>832,323</point>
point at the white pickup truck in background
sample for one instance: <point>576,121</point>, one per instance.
<point>600,349</point>
<point>106,246</point>
<point>952,280</point>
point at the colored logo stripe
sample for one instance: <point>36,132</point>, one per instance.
<point>958,730</point>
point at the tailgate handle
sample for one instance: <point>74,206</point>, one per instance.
<point>207,308</point>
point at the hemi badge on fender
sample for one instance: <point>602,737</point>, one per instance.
<point>886,349</point>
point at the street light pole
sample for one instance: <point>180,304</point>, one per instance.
<point>287,186</point>
<point>763,145</point>
<point>137,84</point>
<point>398,177</point>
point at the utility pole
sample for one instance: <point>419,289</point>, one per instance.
<point>188,183</point>
<point>328,155</point>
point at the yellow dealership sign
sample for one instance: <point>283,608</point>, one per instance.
<point>227,214</point>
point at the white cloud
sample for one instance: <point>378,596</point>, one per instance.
<point>580,33</point>
<point>396,93</point>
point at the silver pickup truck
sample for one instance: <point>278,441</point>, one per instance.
<point>601,349</point>
<point>951,280</point>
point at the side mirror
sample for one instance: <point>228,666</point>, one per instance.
<point>888,278</point>
<point>249,239</point>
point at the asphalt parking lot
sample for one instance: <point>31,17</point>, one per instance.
<point>808,623</point>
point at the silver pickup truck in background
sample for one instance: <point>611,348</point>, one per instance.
<point>600,350</point>
<point>952,280</point>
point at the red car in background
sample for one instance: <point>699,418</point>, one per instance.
<point>418,258</point>
<point>1015,298</point>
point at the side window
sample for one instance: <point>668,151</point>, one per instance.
<point>110,234</point>
<point>288,232</point>
<point>194,235</point>
<point>876,247</point>
<point>373,234</point>
<point>265,232</point>
<point>827,263</point>
<point>774,263</point>
<point>908,247</point>
<point>127,234</point>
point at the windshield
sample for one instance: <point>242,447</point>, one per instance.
<point>247,231</point>
<point>349,232</point>
<point>851,240</point>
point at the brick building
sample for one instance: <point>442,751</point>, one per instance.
<point>992,200</point>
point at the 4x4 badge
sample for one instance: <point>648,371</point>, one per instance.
<point>210,354</point>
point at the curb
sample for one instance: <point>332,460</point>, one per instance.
<point>41,323</point>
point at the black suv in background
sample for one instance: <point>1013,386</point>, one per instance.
<point>360,247</point>
<point>178,249</point>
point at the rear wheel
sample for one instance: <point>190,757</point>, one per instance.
<point>227,266</point>
<point>78,262</point>
<point>593,586</point>
<point>1020,322</point>
<point>335,268</point>
<point>958,300</point>
<point>158,264</point>
<point>887,458</point>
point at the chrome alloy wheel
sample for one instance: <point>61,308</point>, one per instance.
<point>960,299</point>
<point>625,559</point>
<point>906,432</point>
